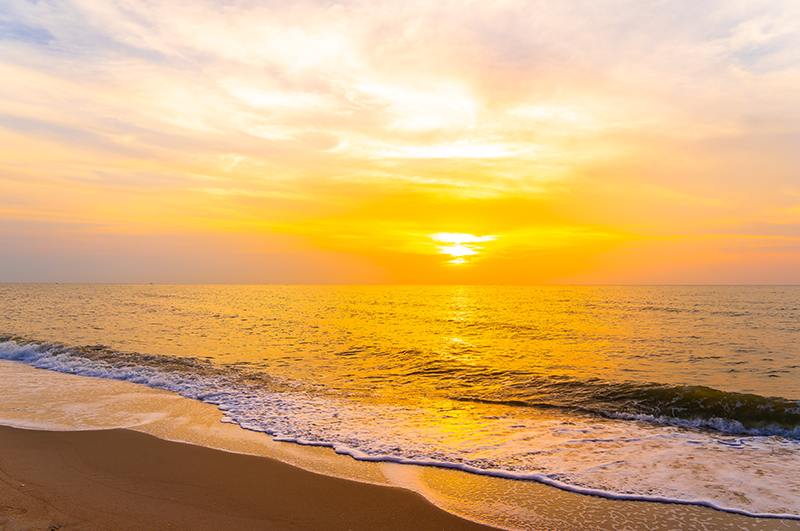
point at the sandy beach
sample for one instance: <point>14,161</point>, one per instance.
<point>89,453</point>
<point>125,480</point>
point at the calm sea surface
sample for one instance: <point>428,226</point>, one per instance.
<point>677,393</point>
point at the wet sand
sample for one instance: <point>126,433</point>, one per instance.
<point>126,480</point>
<point>122,479</point>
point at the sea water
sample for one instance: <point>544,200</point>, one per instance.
<point>686,394</point>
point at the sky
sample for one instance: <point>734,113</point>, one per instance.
<point>413,142</point>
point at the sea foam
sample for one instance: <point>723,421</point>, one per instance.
<point>612,457</point>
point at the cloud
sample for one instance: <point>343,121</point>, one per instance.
<point>645,118</point>
<point>21,32</point>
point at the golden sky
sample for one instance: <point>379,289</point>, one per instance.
<point>508,142</point>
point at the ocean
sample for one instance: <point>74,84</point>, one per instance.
<point>688,394</point>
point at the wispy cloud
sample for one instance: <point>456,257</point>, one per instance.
<point>641,118</point>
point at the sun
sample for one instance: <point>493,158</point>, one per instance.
<point>460,245</point>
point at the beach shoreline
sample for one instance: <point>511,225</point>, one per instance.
<point>127,480</point>
<point>69,460</point>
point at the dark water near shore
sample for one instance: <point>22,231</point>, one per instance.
<point>679,393</point>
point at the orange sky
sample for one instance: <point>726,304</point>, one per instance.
<point>524,142</point>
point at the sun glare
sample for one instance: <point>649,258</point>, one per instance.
<point>459,245</point>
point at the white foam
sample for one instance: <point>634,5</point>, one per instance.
<point>608,457</point>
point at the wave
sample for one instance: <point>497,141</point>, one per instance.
<point>677,405</point>
<point>293,412</point>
